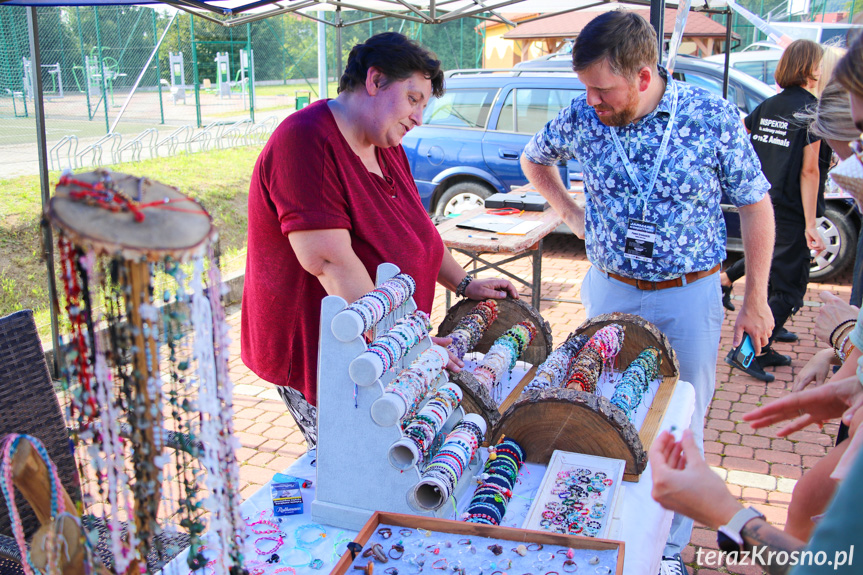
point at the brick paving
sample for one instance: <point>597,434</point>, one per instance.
<point>759,468</point>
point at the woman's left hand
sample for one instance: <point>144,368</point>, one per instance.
<point>494,288</point>
<point>454,364</point>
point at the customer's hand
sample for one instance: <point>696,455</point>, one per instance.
<point>816,371</point>
<point>494,288</point>
<point>684,483</point>
<point>454,364</point>
<point>814,241</point>
<point>813,405</point>
<point>833,312</point>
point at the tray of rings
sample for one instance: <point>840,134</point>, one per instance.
<point>396,544</point>
<point>578,495</point>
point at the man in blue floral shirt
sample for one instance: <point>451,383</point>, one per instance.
<point>657,155</point>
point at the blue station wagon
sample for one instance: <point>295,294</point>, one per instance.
<point>469,145</point>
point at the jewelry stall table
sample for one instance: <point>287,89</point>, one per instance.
<point>643,524</point>
<point>475,244</point>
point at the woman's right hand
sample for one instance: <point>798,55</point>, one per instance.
<point>833,312</point>
<point>815,371</point>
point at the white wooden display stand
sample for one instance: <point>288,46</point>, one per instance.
<point>354,475</point>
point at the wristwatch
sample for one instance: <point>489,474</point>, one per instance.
<point>730,537</point>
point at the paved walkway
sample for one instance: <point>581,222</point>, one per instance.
<point>759,468</point>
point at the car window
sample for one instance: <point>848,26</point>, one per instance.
<point>712,85</point>
<point>527,110</point>
<point>463,108</point>
<point>769,78</point>
<point>754,69</point>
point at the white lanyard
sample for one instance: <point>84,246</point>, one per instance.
<point>660,156</point>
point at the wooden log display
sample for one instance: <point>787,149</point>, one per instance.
<point>580,422</point>
<point>510,312</point>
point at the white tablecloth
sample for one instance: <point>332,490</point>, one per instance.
<point>644,524</point>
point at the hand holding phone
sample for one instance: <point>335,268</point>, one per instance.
<point>744,352</point>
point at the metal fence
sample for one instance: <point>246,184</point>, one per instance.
<point>175,74</point>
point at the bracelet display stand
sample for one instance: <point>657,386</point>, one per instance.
<point>543,421</point>
<point>510,312</point>
<point>355,476</point>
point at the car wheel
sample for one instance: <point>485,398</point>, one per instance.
<point>840,241</point>
<point>461,198</point>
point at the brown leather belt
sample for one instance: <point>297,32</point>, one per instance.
<point>672,283</point>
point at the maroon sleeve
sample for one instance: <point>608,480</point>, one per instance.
<point>301,176</point>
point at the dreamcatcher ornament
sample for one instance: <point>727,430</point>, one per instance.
<point>145,369</point>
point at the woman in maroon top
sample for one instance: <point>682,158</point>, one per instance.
<point>331,198</point>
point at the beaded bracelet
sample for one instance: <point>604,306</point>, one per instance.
<point>462,286</point>
<point>837,328</point>
<point>298,534</point>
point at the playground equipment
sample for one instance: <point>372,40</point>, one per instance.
<point>223,74</point>
<point>178,77</point>
<point>245,78</point>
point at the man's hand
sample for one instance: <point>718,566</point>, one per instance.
<point>684,483</point>
<point>494,288</point>
<point>546,180</point>
<point>813,405</point>
<point>832,313</point>
<point>756,319</point>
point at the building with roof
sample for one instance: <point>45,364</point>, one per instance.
<point>533,37</point>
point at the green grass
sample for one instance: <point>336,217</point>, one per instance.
<point>218,179</point>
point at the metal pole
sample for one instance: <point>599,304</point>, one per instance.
<point>195,70</point>
<point>657,20</point>
<point>84,62</point>
<point>141,75</point>
<point>727,53</point>
<point>322,56</point>
<point>338,69</point>
<point>42,150</point>
<point>102,70</point>
<point>251,72</point>
<point>158,70</point>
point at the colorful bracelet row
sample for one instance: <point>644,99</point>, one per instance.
<point>489,502</point>
<point>381,301</point>
<point>425,426</point>
<point>400,339</point>
<point>415,382</point>
<point>470,329</point>
<point>629,391</point>
<point>454,456</point>
<point>555,369</point>
<point>503,354</point>
<point>599,350</point>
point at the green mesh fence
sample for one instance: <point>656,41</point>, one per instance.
<point>201,75</point>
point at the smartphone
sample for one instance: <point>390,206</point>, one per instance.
<point>745,351</point>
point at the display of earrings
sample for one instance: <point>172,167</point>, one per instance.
<point>489,501</point>
<point>503,354</point>
<point>554,371</point>
<point>470,329</point>
<point>590,361</point>
<point>146,368</point>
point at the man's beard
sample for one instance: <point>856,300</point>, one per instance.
<point>624,116</point>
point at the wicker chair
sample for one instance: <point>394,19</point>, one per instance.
<point>29,405</point>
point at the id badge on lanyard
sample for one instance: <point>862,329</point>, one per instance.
<point>640,237</point>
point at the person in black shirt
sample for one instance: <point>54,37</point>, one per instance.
<point>789,158</point>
